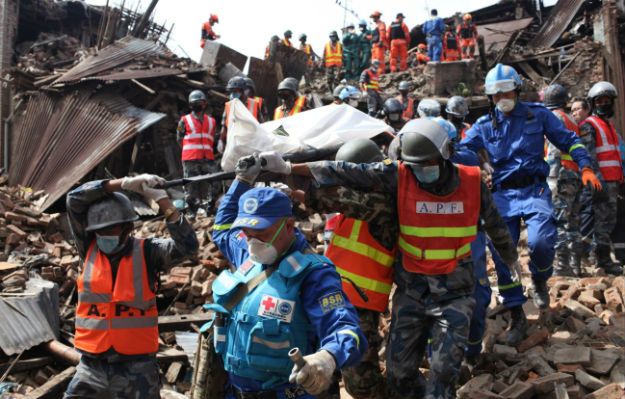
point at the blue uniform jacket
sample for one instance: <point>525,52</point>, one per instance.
<point>516,146</point>
<point>434,27</point>
<point>330,325</point>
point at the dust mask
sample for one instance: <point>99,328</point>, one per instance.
<point>264,252</point>
<point>426,174</point>
<point>506,105</point>
<point>109,244</point>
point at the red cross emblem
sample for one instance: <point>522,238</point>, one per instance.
<point>268,303</point>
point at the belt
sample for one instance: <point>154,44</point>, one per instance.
<point>519,182</point>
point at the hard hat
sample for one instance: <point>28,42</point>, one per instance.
<point>467,17</point>
<point>404,85</point>
<point>336,93</point>
<point>112,210</point>
<point>289,84</point>
<point>349,92</point>
<point>376,14</point>
<point>449,127</point>
<point>334,34</point>
<point>196,95</point>
<point>556,96</point>
<point>235,83</point>
<point>214,18</point>
<point>422,46</point>
<point>602,89</point>
<point>249,83</point>
<point>502,79</point>
<point>457,106</point>
<point>359,151</point>
<point>288,33</point>
<point>423,140</point>
<point>392,106</point>
<point>400,15</point>
<point>375,63</point>
<point>429,107</point>
<point>350,25</point>
<point>362,23</point>
<point>302,36</point>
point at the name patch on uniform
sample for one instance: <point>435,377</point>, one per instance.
<point>331,301</point>
<point>440,208</point>
<point>276,308</point>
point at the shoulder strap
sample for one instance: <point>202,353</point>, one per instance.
<point>244,289</point>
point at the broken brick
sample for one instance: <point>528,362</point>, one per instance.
<point>519,390</point>
<point>547,384</point>
<point>537,338</point>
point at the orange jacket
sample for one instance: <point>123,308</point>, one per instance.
<point>396,31</point>
<point>333,55</point>
<point>381,28</point>
<point>280,112</point>
<point>408,107</point>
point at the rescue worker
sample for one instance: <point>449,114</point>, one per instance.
<point>421,56</point>
<point>467,33</point>
<point>407,102</point>
<point>434,28</point>
<point>255,104</point>
<point>568,183</point>
<point>236,91</point>
<point>116,316</point>
<point>580,110</point>
<point>457,111</point>
<point>351,59</point>
<point>349,95</point>
<point>601,139</point>
<point>287,38</point>
<point>513,135</point>
<point>392,111</point>
<point>312,57</point>
<point>289,298</point>
<point>450,45</point>
<point>398,36</point>
<point>333,59</point>
<point>429,108</point>
<point>291,102</point>
<point>434,279</point>
<point>207,30</point>
<point>370,87</point>
<point>364,46</point>
<point>196,136</point>
<point>380,43</point>
<point>271,48</point>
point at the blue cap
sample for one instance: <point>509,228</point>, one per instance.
<point>260,208</point>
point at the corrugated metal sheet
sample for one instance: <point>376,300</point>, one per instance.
<point>137,74</point>
<point>559,19</point>
<point>31,319</point>
<point>112,56</point>
<point>497,36</point>
<point>61,138</point>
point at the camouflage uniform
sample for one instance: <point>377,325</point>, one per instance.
<point>440,305</point>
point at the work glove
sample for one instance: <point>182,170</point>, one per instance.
<point>272,161</point>
<point>136,183</point>
<point>248,168</point>
<point>220,146</point>
<point>282,187</point>
<point>515,271</point>
<point>590,179</point>
<point>154,194</point>
<point>316,376</point>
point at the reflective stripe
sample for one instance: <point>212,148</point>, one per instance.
<point>451,232</point>
<point>434,254</point>
<point>510,286</point>
<point>86,284</point>
<point>92,324</point>
<point>220,227</point>
<point>134,322</point>
<point>197,136</point>
<point>195,147</point>
<point>353,334</point>
<point>478,341</point>
<point>566,157</point>
<point>575,146</point>
<point>293,262</point>
<point>272,345</point>
<point>605,148</point>
<point>609,163</point>
<point>220,337</point>
<point>90,297</point>
<point>365,282</point>
<point>352,244</point>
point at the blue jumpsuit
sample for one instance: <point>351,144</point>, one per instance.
<point>434,29</point>
<point>336,328</point>
<point>515,145</point>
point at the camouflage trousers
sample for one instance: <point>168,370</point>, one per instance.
<point>101,379</point>
<point>605,210</point>
<point>437,307</point>
<point>196,192</point>
<point>365,380</point>
<point>333,76</point>
<point>567,206</point>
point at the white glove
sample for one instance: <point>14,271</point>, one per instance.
<point>515,272</point>
<point>316,376</point>
<point>220,146</point>
<point>136,183</point>
<point>282,187</point>
<point>248,168</point>
<point>272,162</point>
<point>154,194</point>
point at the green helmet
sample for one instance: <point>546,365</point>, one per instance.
<point>114,209</point>
<point>359,151</point>
<point>423,140</point>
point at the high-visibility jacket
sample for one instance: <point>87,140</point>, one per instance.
<point>253,105</point>
<point>565,159</point>
<point>118,314</point>
<point>359,257</point>
<point>333,55</point>
<point>281,112</point>
<point>307,48</point>
<point>434,231</point>
<point>374,80</point>
<point>467,31</point>
<point>398,30</point>
<point>287,42</point>
<point>197,143</point>
<point>408,107</point>
<point>379,35</point>
<point>607,149</point>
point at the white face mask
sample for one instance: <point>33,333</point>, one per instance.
<point>262,252</point>
<point>506,105</point>
<point>353,103</point>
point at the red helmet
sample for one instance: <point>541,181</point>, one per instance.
<point>214,18</point>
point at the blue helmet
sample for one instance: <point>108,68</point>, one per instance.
<point>349,92</point>
<point>501,79</point>
<point>449,127</point>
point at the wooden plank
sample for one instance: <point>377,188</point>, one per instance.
<point>529,70</point>
<point>182,322</point>
<point>27,364</point>
<point>8,266</point>
<point>55,386</point>
<point>167,355</point>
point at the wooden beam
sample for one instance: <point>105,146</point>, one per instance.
<point>529,70</point>
<point>182,322</point>
<point>27,364</point>
<point>54,387</point>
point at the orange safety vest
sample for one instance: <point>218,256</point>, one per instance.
<point>359,257</point>
<point>118,314</point>
<point>280,112</point>
<point>307,48</point>
<point>374,80</point>
<point>607,149</point>
<point>565,159</point>
<point>287,42</point>
<point>434,231</point>
<point>381,27</point>
<point>333,55</point>
<point>198,140</point>
<point>408,109</point>
<point>253,105</point>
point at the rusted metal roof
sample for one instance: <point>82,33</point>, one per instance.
<point>137,74</point>
<point>59,139</point>
<point>559,19</point>
<point>112,56</point>
<point>498,35</point>
<point>30,318</point>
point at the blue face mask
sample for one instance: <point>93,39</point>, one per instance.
<point>108,244</point>
<point>426,174</point>
<point>235,94</point>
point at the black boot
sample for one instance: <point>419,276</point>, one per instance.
<point>604,261</point>
<point>541,293</point>
<point>562,264</point>
<point>518,326</point>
